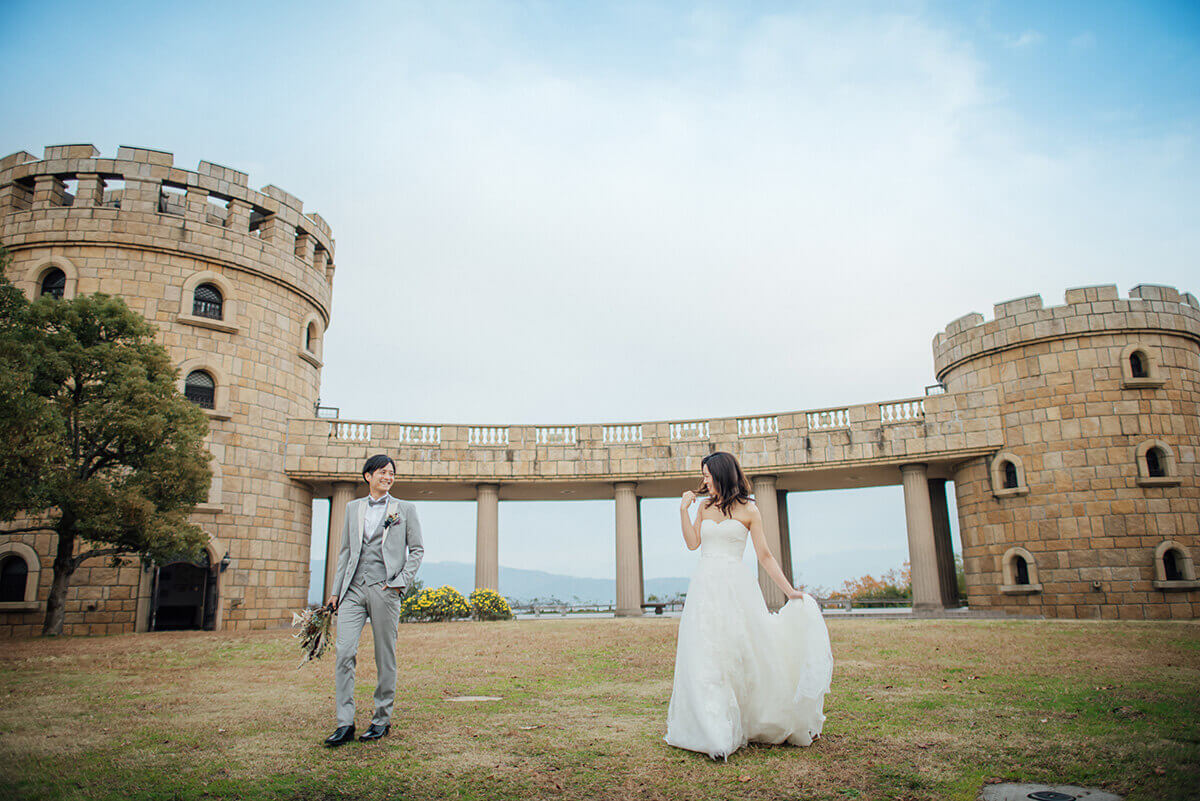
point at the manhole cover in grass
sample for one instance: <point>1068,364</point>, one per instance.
<point>473,698</point>
<point>1043,792</point>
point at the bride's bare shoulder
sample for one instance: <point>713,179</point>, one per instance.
<point>747,512</point>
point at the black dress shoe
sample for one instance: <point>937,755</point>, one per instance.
<point>375,732</point>
<point>342,735</point>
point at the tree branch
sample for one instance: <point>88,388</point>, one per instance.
<point>100,552</point>
<point>27,529</point>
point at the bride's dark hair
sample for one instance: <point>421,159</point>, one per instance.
<point>730,482</point>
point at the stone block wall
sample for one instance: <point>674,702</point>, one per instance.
<point>138,227</point>
<point>1077,422</point>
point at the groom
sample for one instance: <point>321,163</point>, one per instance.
<point>380,552</point>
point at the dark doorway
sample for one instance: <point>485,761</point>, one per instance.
<point>185,596</point>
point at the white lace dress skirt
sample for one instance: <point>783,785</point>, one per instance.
<point>743,674</point>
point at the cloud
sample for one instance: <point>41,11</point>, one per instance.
<point>1025,39</point>
<point>1084,41</point>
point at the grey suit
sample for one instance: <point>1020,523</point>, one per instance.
<point>357,600</point>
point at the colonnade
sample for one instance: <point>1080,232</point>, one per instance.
<point>926,514</point>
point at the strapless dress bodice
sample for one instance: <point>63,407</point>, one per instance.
<point>722,539</point>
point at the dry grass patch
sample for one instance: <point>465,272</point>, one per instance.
<point>919,710</point>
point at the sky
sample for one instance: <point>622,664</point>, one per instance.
<point>583,212</point>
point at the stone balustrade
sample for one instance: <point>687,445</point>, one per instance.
<point>930,429</point>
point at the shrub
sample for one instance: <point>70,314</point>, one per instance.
<point>489,605</point>
<point>444,603</point>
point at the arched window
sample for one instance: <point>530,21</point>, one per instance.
<point>54,283</point>
<point>14,572</point>
<point>1137,365</point>
<point>1172,565</point>
<point>1173,568</point>
<point>1140,367</point>
<point>310,336</point>
<point>1010,476</point>
<point>1020,570</point>
<point>200,389</point>
<point>207,302</point>
<point>1154,463</point>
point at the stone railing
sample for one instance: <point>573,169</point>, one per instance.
<point>910,429</point>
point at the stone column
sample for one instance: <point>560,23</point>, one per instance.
<point>48,190</point>
<point>487,537</point>
<point>629,557</point>
<point>90,190</point>
<point>238,216</point>
<point>641,568</point>
<point>947,582</point>
<point>767,499</point>
<point>141,621</point>
<point>785,535</point>
<point>304,246</point>
<point>343,493</point>
<point>196,204</point>
<point>279,233</point>
<point>922,553</point>
<point>141,194</point>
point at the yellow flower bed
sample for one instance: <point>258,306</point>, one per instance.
<point>489,605</point>
<point>443,603</point>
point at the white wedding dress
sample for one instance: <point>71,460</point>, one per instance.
<point>742,673</point>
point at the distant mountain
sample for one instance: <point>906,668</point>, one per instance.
<point>522,585</point>
<point>826,571</point>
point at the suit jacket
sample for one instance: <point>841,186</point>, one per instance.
<point>403,548</point>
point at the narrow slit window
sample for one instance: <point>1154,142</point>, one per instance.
<point>1172,567</point>
<point>1020,570</point>
<point>1137,364</point>
<point>1154,463</point>
<point>1010,476</point>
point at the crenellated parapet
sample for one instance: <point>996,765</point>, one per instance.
<point>140,199</point>
<point>1089,311</point>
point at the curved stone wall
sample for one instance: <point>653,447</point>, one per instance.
<point>138,227</point>
<point>1076,423</point>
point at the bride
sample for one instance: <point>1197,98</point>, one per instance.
<point>741,673</point>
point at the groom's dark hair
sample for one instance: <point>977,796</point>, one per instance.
<point>376,462</point>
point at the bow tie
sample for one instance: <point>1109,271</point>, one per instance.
<point>373,502</point>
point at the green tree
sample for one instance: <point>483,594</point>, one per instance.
<point>27,425</point>
<point>112,457</point>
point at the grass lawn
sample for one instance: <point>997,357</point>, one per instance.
<point>919,710</point>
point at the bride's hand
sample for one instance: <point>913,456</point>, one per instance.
<point>795,594</point>
<point>689,498</point>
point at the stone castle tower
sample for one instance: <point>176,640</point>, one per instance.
<point>1071,433</point>
<point>238,283</point>
<point>1091,508</point>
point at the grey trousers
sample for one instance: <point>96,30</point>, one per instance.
<point>383,607</point>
